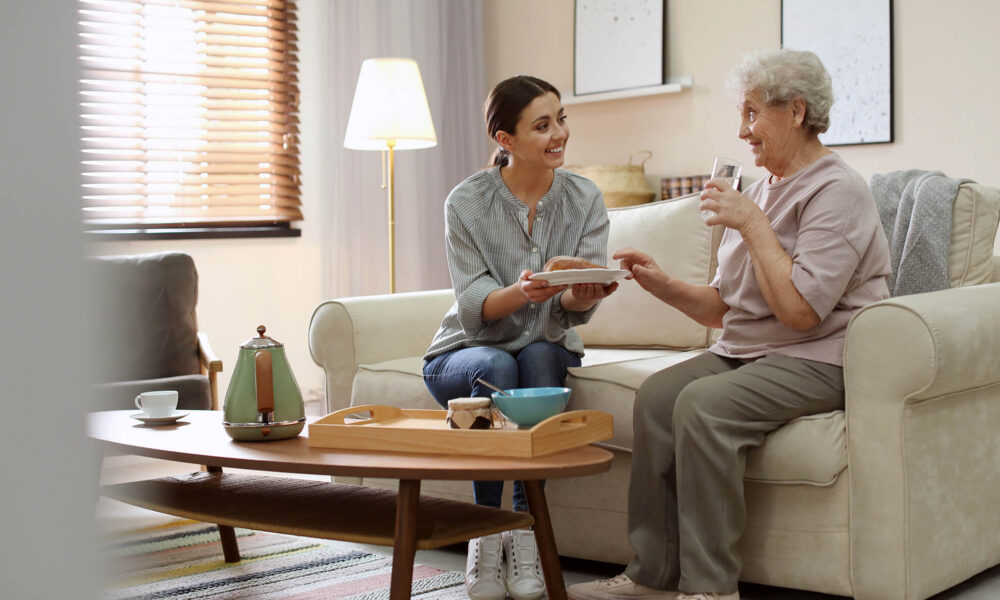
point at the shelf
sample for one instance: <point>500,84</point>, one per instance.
<point>311,508</point>
<point>674,85</point>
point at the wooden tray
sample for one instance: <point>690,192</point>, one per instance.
<point>395,429</point>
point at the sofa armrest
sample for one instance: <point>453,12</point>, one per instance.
<point>348,332</point>
<point>923,408</point>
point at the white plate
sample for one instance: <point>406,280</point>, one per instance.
<point>159,420</point>
<point>570,276</point>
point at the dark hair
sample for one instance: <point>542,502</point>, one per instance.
<point>505,104</point>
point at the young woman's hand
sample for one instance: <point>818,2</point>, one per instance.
<point>592,292</point>
<point>583,296</point>
<point>537,290</point>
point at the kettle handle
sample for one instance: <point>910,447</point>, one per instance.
<point>264,377</point>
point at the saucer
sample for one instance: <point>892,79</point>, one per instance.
<point>571,276</point>
<point>159,420</point>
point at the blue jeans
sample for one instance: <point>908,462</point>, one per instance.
<point>453,375</point>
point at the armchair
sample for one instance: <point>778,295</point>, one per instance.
<point>147,321</point>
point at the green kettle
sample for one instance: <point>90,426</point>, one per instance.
<point>263,401</point>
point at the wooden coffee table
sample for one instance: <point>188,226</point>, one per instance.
<point>319,509</point>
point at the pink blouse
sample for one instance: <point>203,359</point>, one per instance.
<point>826,220</point>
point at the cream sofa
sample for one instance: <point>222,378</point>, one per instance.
<point>894,497</point>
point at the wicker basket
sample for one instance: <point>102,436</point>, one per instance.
<point>622,185</point>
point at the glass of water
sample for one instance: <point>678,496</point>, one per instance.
<point>728,169</point>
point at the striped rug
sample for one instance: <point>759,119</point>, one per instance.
<point>182,559</point>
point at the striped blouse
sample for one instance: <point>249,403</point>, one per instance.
<point>488,246</point>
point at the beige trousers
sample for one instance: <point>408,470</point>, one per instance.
<point>693,424</point>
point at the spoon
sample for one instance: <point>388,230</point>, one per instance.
<point>492,387</point>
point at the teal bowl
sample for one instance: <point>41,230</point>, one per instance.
<point>528,407</point>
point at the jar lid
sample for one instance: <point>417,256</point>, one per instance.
<point>468,403</point>
<point>261,341</point>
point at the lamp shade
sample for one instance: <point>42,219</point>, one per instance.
<point>390,106</point>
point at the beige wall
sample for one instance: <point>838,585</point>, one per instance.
<point>945,85</point>
<point>945,90</point>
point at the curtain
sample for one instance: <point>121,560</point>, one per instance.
<point>445,38</point>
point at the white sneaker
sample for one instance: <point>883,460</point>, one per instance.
<point>524,569</point>
<point>484,569</point>
<point>617,588</point>
<point>705,596</point>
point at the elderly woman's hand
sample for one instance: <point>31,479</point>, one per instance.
<point>729,207</point>
<point>643,269</point>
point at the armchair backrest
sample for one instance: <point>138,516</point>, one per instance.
<point>147,317</point>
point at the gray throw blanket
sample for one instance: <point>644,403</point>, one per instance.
<point>915,208</point>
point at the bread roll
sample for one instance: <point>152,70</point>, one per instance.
<point>562,263</point>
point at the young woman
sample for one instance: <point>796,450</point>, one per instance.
<point>502,225</point>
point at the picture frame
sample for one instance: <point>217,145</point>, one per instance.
<point>618,45</point>
<point>853,38</point>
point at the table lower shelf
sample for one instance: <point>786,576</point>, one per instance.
<point>311,508</point>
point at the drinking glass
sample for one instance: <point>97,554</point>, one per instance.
<point>728,169</point>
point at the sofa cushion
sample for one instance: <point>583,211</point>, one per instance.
<point>810,450</point>
<point>973,227</point>
<point>672,232</point>
<point>610,387</point>
<point>399,382</point>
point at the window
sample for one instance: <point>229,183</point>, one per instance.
<point>189,114</point>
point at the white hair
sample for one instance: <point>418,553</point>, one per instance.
<point>780,76</point>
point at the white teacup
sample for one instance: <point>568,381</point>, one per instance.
<point>157,404</point>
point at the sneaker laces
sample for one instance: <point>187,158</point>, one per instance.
<point>524,555</point>
<point>475,575</point>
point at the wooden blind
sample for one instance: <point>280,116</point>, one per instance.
<point>190,112</point>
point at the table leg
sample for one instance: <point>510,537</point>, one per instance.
<point>405,542</point>
<point>230,549</point>
<point>554,585</point>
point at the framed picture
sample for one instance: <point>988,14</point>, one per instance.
<point>618,45</point>
<point>853,38</point>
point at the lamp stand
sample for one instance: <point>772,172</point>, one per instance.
<point>392,219</point>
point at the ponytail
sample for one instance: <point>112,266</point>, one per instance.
<point>500,158</point>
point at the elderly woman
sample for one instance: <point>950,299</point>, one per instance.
<point>802,251</point>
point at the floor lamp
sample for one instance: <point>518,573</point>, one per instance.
<point>390,112</point>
